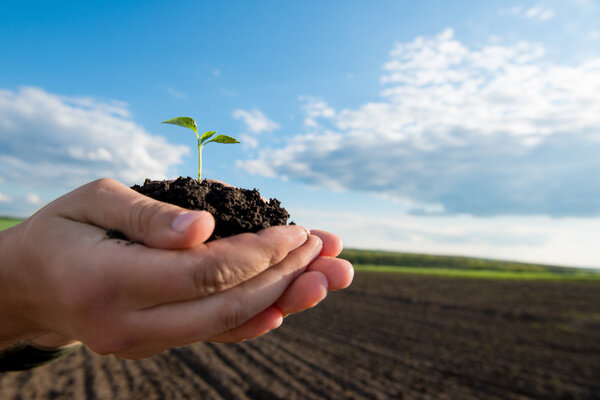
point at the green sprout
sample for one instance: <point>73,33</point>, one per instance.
<point>187,122</point>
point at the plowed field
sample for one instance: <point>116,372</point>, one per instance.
<point>389,336</point>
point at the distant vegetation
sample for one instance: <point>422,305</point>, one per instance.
<point>426,263</point>
<point>577,273</point>
<point>7,222</point>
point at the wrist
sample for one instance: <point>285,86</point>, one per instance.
<point>14,324</point>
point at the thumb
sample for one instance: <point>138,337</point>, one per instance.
<point>109,204</point>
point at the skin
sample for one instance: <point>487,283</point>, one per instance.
<point>62,281</point>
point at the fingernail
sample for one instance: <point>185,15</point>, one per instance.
<point>186,219</point>
<point>302,238</point>
<point>307,231</point>
<point>318,250</point>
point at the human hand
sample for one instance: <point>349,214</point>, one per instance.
<point>61,277</point>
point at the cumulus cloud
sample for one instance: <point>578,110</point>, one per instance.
<point>255,120</point>
<point>538,239</point>
<point>537,13</point>
<point>54,141</point>
<point>4,198</point>
<point>487,131</point>
<point>175,93</point>
<point>315,108</point>
<point>33,198</point>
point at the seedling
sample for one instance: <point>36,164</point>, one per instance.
<point>203,140</point>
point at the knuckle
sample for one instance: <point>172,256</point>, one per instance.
<point>88,192</point>
<point>224,265</point>
<point>272,248</point>
<point>102,185</point>
<point>273,253</point>
<point>212,279</point>
<point>105,182</point>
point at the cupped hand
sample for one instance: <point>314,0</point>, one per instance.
<point>62,279</point>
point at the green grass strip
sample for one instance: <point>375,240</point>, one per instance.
<point>483,274</point>
<point>6,223</point>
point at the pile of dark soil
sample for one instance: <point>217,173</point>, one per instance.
<point>235,210</point>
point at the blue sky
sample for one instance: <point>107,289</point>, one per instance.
<point>457,128</point>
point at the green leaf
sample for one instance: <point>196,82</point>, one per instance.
<point>206,136</point>
<point>223,139</point>
<point>186,122</point>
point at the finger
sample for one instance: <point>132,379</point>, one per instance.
<point>150,277</point>
<point>338,272</point>
<point>109,204</point>
<point>305,292</point>
<point>258,325</point>
<point>332,244</point>
<point>266,321</point>
<point>187,322</point>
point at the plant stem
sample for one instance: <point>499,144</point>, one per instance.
<point>199,159</point>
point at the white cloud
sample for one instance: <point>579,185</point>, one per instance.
<point>537,239</point>
<point>59,142</point>
<point>537,13</point>
<point>175,93</point>
<point>33,198</point>
<point>315,108</point>
<point>494,130</point>
<point>584,2</point>
<point>594,34</point>
<point>255,120</point>
<point>249,141</point>
<point>517,10</point>
<point>4,198</point>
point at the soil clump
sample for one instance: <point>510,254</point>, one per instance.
<point>235,210</point>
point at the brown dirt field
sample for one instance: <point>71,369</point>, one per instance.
<point>390,336</point>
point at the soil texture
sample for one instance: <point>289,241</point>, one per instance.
<point>235,210</point>
<point>388,336</point>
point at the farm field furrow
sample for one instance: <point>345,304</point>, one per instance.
<point>300,371</point>
<point>268,379</point>
<point>211,371</point>
<point>389,336</point>
<point>322,374</point>
<point>360,382</point>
